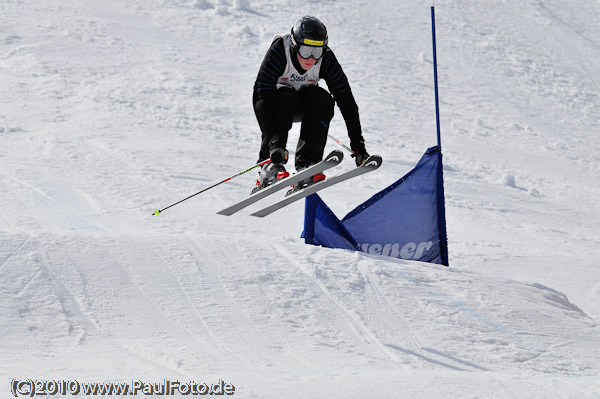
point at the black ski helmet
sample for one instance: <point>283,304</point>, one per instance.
<point>309,31</point>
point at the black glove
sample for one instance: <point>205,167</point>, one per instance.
<point>361,157</point>
<point>359,152</point>
<point>279,155</point>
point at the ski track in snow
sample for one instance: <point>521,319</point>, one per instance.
<point>111,111</point>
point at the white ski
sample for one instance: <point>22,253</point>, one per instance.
<point>334,158</point>
<point>372,163</point>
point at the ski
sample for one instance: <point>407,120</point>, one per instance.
<point>334,158</point>
<point>372,163</point>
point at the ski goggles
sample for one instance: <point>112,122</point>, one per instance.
<point>307,52</point>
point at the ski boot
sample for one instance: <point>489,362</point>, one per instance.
<point>269,174</point>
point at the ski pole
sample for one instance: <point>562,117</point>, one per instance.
<point>340,143</point>
<point>266,161</point>
<point>336,140</point>
<point>343,145</point>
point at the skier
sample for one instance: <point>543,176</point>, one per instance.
<point>286,91</point>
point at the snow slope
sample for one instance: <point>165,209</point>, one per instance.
<point>112,110</point>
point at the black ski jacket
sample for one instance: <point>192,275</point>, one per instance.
<point>273,66</point>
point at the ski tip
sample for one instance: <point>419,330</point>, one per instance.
<point>335,155</point>
<point>374,161</point>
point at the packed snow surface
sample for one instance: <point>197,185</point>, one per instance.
<point>112,109</point>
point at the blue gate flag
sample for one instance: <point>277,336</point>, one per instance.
<point>406,220</point>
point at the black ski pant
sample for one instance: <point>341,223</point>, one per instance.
<point>313,106</point>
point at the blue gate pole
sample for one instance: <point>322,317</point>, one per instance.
<point>435,79</point>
